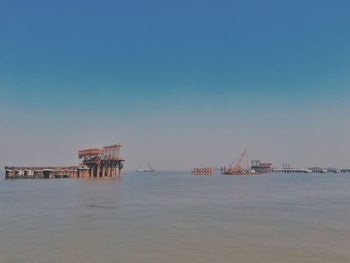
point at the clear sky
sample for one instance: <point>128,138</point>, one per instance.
<point>181,84</point>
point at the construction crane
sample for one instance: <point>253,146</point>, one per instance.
<point>237,166</point>
<point>236,169</point>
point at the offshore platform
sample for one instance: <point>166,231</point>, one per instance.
<point>95,163</point>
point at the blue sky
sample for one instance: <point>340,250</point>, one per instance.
<point>178,83</point>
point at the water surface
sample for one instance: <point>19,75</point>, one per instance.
<point>176,217</point>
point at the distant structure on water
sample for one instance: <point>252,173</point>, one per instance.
<point>292,170</point>
<point>146,170</point>
<point>96,163</point>
<point>261,168</point>
<point>235,167</point>
<point>257,167</point>
<point>202,171</point>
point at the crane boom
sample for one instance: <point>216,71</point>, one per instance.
<point>237,165</point>
<point>237,170</point>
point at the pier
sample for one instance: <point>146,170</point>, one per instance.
<point>95,163</point>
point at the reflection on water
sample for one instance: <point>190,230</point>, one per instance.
<point>176,217</point>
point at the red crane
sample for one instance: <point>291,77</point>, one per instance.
<point>237,166</point>
<point>237,170</point>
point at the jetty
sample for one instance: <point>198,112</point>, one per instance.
<point>95,163</point>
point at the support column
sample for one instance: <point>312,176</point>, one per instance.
<point>98,171</point>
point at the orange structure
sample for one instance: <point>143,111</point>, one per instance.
<point>96,163</point>
<point>202,171</point>
<point>102,163</point>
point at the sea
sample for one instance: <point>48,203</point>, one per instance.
<point>176,217</point>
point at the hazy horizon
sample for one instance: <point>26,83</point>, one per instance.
<point>179,84</point>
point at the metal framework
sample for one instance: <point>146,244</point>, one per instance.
<point>102,163</point>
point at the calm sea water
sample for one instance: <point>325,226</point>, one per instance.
<point>176,217</point>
